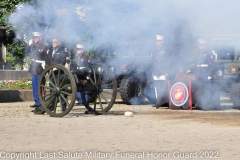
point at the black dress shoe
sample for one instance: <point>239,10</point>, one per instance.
<point>38,110</point>
<point>35,106</point>
<point>155,105</point>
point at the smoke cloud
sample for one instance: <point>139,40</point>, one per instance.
<point>106,20</point>
<point>96,22</point>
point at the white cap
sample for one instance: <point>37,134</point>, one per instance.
<point>80,46</point>
<point>36,34</point>
<point>202,41</point>
<point>159,38</point>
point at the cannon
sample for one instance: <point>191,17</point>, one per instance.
<point>59,85</point>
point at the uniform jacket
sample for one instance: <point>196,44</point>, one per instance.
<point>36,52</point>
<point>80,66</point>
<point>80,61</point>
<point>204,57</point>
<point>59,57</point>
<point>162,61</point>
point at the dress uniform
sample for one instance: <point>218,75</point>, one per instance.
<point>80,64</point>
<point>207,90</point>
<point>162,60</point>
<point>162,69</point>
<point>36,51</point>
<point>205,59</point>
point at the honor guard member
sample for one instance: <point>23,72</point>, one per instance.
<point>207,90</point>
<point>36,51</point>
<point>162,61</point>
<point>81,63</point>
<point>205,59</point>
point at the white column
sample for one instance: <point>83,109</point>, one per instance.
<point>4,52</point>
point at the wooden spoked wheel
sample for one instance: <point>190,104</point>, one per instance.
<point>57,90</point>
<point>103,98</point>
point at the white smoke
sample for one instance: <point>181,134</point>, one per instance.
<point>96,22</point>
<point>108,20</point>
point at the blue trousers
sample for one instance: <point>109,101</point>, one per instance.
<point>35,80</point>
<point>80,98</point>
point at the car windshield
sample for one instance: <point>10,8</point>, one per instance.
<point>224,52</point>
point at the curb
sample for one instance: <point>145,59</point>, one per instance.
<point>22,95</point>
<point>15,95</point>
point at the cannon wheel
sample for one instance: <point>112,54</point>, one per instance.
<point>104,79</point>
<point>52,90</point>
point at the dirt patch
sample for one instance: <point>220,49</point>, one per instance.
<point>224,117</point>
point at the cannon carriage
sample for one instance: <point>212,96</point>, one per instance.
<point>58,86</point>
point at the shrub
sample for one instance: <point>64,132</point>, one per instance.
<point>22,83</point>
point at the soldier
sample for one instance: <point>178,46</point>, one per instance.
<point>162,69</point>
<point>162,60</point>
<point>205,59</point>
<point>36,51</point>
<point>207,90</point>
<point>81,63</point>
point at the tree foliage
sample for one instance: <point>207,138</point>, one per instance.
<point>6,8</point>
<point>15,47</point>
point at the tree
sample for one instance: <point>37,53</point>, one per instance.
<point>6,8</point>
<point>14,46</point>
